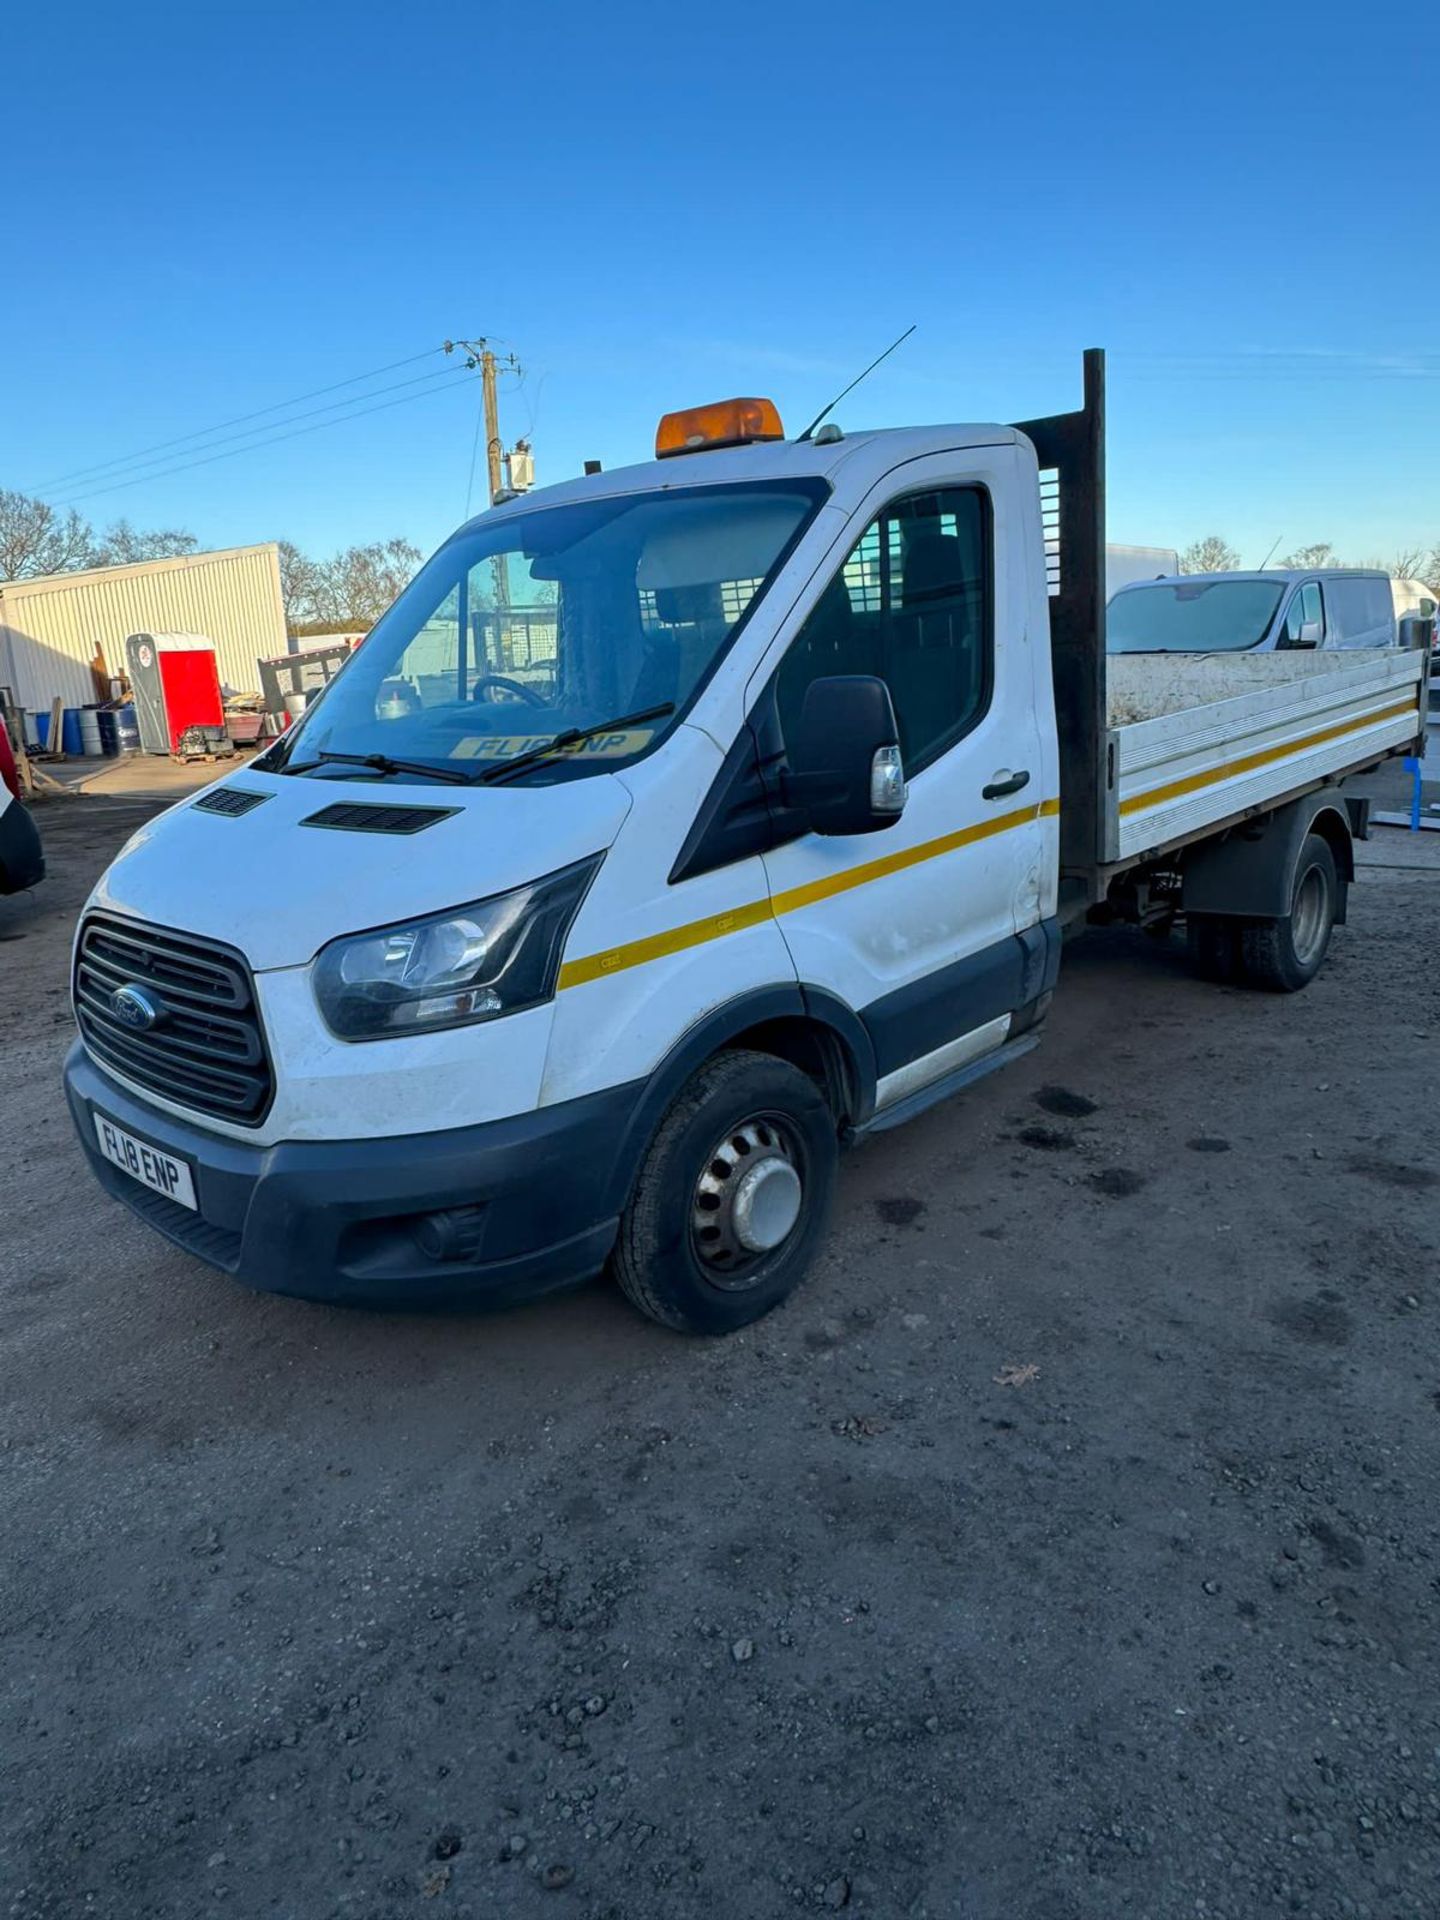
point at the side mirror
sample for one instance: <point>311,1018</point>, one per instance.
<point>1310,631</point>
<point>1418,631</point>
<point>845,772</point>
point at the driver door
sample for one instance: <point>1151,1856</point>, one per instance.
<point>931,931</point>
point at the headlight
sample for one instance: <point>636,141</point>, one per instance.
<point>452,969</point>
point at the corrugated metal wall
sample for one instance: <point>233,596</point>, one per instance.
<point>49,629</point>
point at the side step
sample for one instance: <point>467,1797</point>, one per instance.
<point>926,1097</point>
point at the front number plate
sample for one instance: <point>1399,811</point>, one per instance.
<point>160,1171</point>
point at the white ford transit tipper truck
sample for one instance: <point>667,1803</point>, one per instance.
<point>676,826</point>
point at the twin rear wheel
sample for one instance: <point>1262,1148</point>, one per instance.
<point>732,1197</point>
<point>1281,955</point>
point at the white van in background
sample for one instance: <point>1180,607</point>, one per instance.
<point>1332,607</point>
<point>1417,600</point>
<point>1415,597</point>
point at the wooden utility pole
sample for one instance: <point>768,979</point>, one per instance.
<point>479,354</point>
<point>494,468</point>
<point>494,446</point>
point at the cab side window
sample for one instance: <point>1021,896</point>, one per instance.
<point>913,604</point>
<point>1308,604</point>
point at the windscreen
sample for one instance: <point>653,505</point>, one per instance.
<point>557,620</point>
<point>1191,616</point>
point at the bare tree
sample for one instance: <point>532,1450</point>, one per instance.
<point>1213,554</point>
<point>37,539</point>
<point>299,583</point>
<point>1320,553</point>
<point>349,590</point>
<point>1404,563</point>
<point>1409,563</point>
<point>122,545</point>
<point>355,586</point>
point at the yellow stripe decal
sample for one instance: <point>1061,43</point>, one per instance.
<point>598,966</point>
<point>695,933</point>
<point>834,883</point>
<point>1155,796</point>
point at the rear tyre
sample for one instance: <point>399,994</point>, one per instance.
<point>732,1197</point>
<point>1283,956</point>
<point>1213,940</point>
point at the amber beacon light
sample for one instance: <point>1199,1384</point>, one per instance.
<point>724,423</point>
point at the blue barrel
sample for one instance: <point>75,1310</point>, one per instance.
<point>127,729</point>
<point>69,730</point>
<point>109,734</point>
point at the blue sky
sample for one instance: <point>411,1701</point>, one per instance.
<point>655,205</point>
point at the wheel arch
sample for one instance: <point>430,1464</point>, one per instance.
<point>807,1027</point>
<point>1248,872</point>
<point>1332,823</point>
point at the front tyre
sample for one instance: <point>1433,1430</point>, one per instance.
<point>732,1196</point>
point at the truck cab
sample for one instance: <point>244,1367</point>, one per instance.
<point>757,741</point>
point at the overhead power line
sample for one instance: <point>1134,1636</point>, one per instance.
<point>311,413</point>
<point>1267,364</point>
<point>231,453</point>
<point>202,433</point>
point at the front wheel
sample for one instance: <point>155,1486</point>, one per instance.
<point>732,1196</point>
<point>1285,955</point>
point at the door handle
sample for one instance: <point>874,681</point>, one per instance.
<point>1004,783</point>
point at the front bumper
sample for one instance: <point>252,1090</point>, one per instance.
<point>341,1221</point>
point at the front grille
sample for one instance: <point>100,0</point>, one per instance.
<point>206,1050</point>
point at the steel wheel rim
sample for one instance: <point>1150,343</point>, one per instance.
<point>1308,916</point>
<point>747,1201</point>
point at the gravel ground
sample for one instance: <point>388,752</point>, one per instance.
<point>1067,1550</point>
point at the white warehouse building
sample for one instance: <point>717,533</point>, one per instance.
<point>52,628</point>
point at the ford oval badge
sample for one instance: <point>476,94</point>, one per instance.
<point>134,1008</point>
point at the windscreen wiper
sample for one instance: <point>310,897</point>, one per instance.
<point>380,763</point>
<point>569,738</point>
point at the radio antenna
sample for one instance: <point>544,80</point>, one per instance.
<point>830,408</point>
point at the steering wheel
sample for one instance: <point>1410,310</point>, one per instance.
<point>481,690</point>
